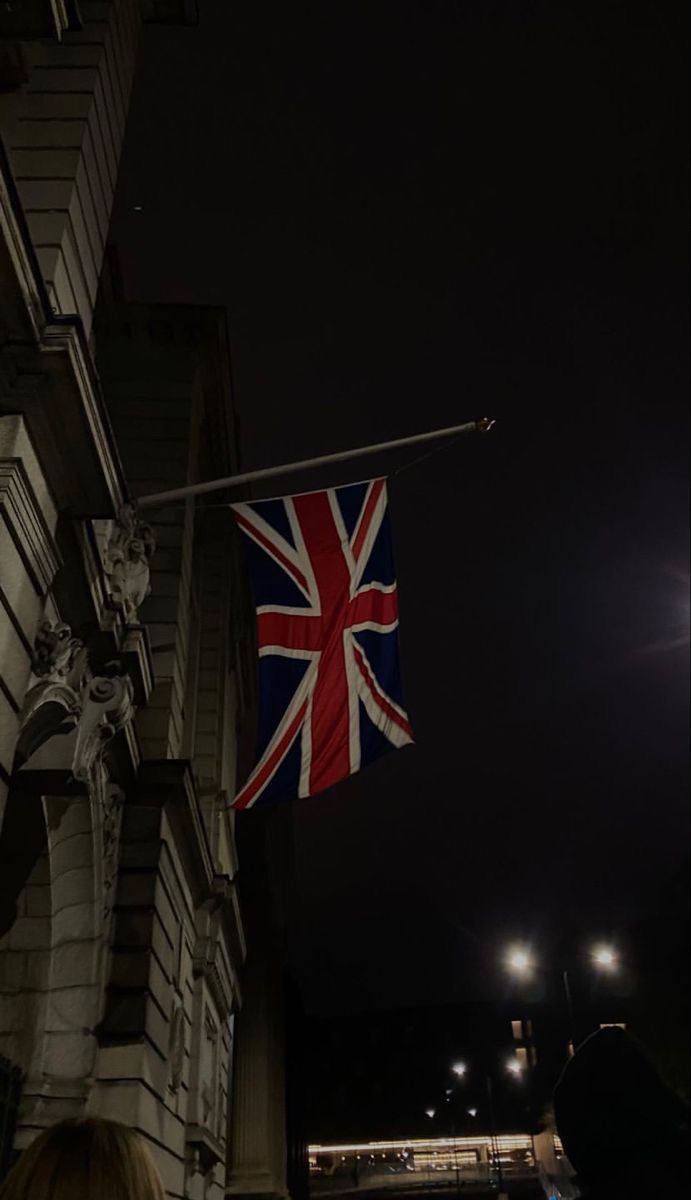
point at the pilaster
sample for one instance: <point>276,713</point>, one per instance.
<point>258,1150</point>
<point>29,558</point>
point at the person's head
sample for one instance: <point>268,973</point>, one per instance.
<point>90,1159</point>
<point>611,1106</point>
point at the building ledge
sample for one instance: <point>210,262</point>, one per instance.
<point>206,1149</point>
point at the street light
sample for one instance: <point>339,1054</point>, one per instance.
<point>514,1068</point>
<point>605,957</point>
<point>459,1070</point>
<point>519,960</point>
<point>431,1113</point>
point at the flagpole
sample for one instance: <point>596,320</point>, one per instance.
<point>217,485</point>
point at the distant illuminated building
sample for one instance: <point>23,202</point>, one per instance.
<point>473,1158</point>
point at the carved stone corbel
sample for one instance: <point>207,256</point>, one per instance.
<point>107,706</point>
<point>55,650</point>
<point>52,704</point>
<point>126,556</point>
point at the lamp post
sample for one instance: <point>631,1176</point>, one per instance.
<point>493,1134</point>
<point>459,1069</point>
<point>519,961</point>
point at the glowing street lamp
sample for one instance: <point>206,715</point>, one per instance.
<point>605,957</point>
<point>514,1068</point>
<point>431,1113</point>
<point>519,960</point>
<point>459,1069</point>
<point>472,1112</point>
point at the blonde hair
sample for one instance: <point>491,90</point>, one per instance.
<point>90,1159</point>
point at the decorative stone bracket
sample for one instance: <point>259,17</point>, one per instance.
<point>66,695</point>
<point>55,651</point>
<point>204,1151</point>
<point>126,546</point>
<point>107,706</point>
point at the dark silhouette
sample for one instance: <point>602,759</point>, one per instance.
<point>624,1131</point>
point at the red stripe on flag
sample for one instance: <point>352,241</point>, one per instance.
<point>246,795</point>
<point>383,703</point>
<point>364,526</point>
<point>330,701</point>
<point>372,605</point>
<point>289,630</point>
<point>272,550</point>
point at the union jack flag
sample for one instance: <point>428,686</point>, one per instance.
<point>327,633</point>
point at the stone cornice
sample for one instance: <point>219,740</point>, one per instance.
<point>63,342</point>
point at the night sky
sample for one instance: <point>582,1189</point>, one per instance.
<point>418,214</point>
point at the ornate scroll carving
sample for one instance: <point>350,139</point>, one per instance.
<point>107,706</point>
<point>66,695</point>
<point>111,802</point>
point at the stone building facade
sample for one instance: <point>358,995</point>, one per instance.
<point>136,981</point>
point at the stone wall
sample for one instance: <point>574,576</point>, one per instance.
<point>63,130</point>
<point>121,936</point>
<point>30,558</point>
<point>179,941</point>
<point>54,960</point>
<point>165,1039</point>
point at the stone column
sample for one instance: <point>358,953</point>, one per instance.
<point>257,1165</point>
